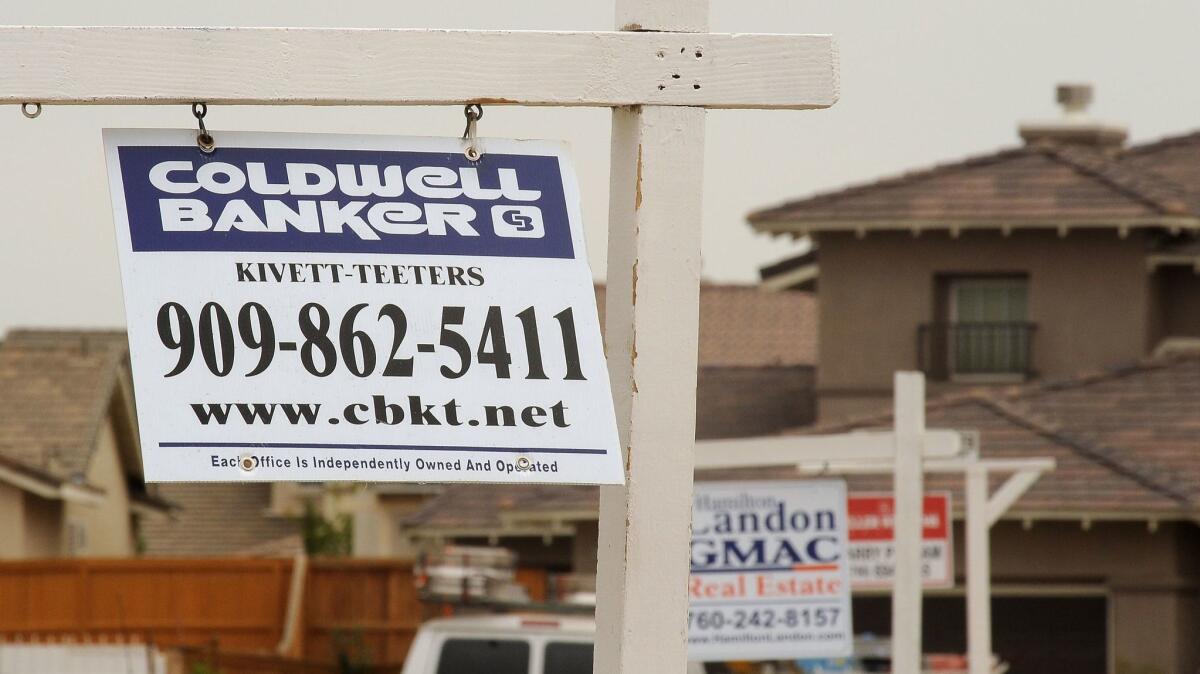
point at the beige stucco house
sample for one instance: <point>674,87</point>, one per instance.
<point>1051,293</point>
<point>70,470</point>
<point>1070,251</point>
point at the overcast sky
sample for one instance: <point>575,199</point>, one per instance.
<point>922,82</point>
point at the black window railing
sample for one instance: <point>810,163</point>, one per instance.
<point>947,350</point>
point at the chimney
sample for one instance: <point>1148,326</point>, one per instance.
<point>1075,127</point>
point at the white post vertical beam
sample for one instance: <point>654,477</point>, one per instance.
<point>979,571</point>
<point>909,494</point>
<point>652,321</point>
<point>652,315</point>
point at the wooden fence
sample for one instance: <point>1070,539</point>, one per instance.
<point>363,610</point>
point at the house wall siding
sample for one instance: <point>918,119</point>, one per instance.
<point>746,401</point>
<point>108,526</point>
<point>1089,294</point>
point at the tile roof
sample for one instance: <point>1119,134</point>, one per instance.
<point>744,325</point>
<point>56,387</point>
<point>1144,417</point>
<point>1176,158</point>
<point>477,508</point>
<point>1126,442</point>
<point>216,518</point>
<point>1126,439</point>
<point>1040,184</point>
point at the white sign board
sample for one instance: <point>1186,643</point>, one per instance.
<point>873,546</point>
<point>319,307</point>
<point>769,574</point>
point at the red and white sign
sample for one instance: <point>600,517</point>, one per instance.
<point>872,550</point>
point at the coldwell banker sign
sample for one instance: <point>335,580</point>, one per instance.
<point>308,307</point>
<point>769,571</point>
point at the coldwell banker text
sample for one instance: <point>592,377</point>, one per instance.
<point>272,199</point>
<point>360,217</point>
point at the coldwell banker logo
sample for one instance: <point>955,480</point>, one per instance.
<point>518,221</point>
<point>345,201</point>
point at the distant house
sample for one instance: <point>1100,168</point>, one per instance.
<point>1101,553</point>
<point>1069,252</point>
<point>70,468</point>
<point>1051,294</point>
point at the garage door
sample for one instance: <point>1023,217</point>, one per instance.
<point>1036,635</point>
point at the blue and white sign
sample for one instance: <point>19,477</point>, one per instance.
<point>769,576</point>
<point>318,307</point>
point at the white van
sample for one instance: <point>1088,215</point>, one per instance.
<point>507,644</point>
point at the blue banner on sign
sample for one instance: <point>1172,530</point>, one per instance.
<point>344,201</point>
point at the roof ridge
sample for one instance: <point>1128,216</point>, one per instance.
<point>1150,188</point>
<point>1007,393</point>
<point>1110,457</point>
<point>110,381</point>
<point>945,400</point>
<point>1094,376</point>
<point>1161,143</point>
<point>888,181</point>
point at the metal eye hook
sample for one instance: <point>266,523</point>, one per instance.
<point>473,112</point>
<point>204,139</point>
<point>31,110</point>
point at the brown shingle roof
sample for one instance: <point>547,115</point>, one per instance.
<point>1145,416</point>
<point>744,325</point>
<point>1126,439</point>
<point>477,508</point>
<point>1176,159</point>
<point>1039,185</point>
<point>55,389</point>
<point>1088,480</point>
<point>214,518</point>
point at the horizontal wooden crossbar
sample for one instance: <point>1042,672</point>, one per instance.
<point>870,447</point>
<point>322,66</point>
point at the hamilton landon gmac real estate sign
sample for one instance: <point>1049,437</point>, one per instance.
<point>769,576</point>
<point>320,307</point>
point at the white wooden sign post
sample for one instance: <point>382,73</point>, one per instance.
<point>658,73</point>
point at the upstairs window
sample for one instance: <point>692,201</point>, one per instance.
<point>982,331</point>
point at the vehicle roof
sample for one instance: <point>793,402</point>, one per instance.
<point>515,623</point>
